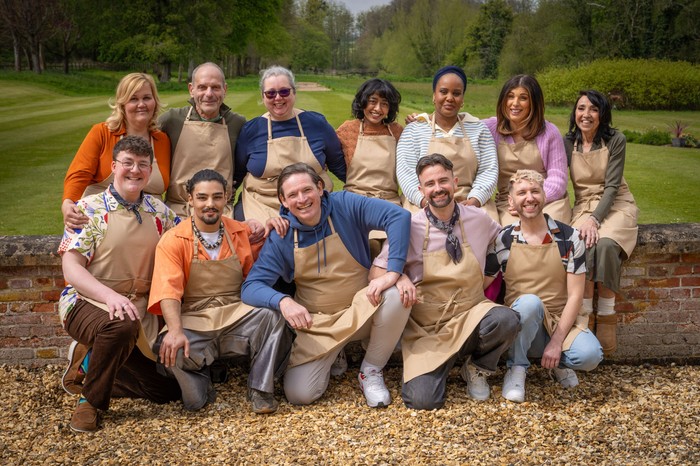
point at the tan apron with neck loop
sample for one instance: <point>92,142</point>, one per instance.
<point>372,170</point>
<point>212,296</point>
<point>537,269</point>
<point>124,262</point>
<point>588,176</point>
<point>332,285</point>
<point>154,187</point>
<point>519,156</point>
<point>259,195</point>
<point>202,144</point>
<point>450,305</point>
<point>460,152</point>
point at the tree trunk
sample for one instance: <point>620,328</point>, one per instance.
<point>165,72</point>
<point>16,50</point>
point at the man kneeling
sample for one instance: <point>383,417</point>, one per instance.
<point>450,318</point>
<point>544,269</point>
<point>199,268</point>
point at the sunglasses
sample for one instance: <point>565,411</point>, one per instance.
<point>284,92</point>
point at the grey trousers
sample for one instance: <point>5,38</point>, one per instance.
<point>493,336</point>
<point>307,382</point>
<point>262,334</point>
<point>604,263</point>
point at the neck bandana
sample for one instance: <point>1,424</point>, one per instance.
<point>132,206</point>
<point>451,243</point>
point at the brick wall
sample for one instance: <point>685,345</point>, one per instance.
<point>659,309</point>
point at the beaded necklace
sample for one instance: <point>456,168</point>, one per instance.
<point>204,242</point>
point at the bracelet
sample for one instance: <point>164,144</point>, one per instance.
<point>595,220</point>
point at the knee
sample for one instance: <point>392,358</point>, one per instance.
<point>506,320</point>
<point>529,308</point>
<point>586,355</point>
<point>391,308</point>
<point>125,331</point>
<point>415,398</point>
<point>301,396</point>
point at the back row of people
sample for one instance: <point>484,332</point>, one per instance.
<point>377,99</point>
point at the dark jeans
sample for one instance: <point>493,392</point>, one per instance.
<point>491,338</point>
<point>116,367</point>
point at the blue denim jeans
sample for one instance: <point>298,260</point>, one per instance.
<point>584,355</point>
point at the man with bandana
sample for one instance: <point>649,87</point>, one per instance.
<point>444,280</point>
<point>108,265</point>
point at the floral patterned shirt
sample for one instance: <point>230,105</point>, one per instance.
<point>86,241</point>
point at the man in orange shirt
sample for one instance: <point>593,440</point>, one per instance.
<point>199,268</point>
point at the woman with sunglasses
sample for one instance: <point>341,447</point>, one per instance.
<point>282,136</point>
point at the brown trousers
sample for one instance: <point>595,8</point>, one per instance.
<point>116,367</point>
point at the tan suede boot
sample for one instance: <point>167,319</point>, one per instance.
<point>591,322</point>
<point>606,331</point>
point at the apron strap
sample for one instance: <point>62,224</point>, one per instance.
<point>269,124</point>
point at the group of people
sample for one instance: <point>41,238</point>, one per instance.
<point>168,279</point>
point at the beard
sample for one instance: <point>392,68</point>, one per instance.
<point>210,220</point>
<point>443,203</point>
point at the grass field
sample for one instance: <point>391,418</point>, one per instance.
<point>44,119</point>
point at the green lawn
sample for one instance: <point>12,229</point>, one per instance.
<point>44,119</point>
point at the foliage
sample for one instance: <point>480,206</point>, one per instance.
<point>677,128</point>
<point>488,35</point>
<point>661,84</point>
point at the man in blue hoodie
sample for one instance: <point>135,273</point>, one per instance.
<point>326,253</point>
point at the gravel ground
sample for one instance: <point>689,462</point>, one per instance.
<point>618,415</point>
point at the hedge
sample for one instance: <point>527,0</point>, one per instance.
<point>634,84</point>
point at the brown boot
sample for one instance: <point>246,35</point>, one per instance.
<point>591,322</point>
<point>606,331</point>
<point>84,418</point>
<point>72,380</point>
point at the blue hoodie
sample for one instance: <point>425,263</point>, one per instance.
<point>353,217</point>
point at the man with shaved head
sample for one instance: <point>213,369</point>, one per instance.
<point>202,134</point>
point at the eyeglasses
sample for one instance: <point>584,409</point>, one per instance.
<point>129,165</point>
<point>284,92</point>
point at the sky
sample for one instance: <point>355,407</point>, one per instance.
<point>357,6</point>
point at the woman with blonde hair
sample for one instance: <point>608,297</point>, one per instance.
<point>134,113</point>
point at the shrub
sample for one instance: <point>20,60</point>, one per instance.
<point>655,137</point>
<point>636,84</point>
<point>631,136</point>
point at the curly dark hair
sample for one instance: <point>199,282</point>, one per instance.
<point>204,175</point>
<point>385,90</point>
<point>134,145</point>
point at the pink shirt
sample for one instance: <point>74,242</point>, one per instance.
<point>479,229</point>
<point>551,146</point>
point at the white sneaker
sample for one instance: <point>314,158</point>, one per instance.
<point>566,377</point>
<point>477,386</point>
<point>514,384</point>
<point>340,365</point>
<point>372,385</point>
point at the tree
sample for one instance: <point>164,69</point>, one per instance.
<point>338,25</point>
<point>29,22</point>
<point>489,33</point>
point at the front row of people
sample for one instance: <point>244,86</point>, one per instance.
<point>217,292</point>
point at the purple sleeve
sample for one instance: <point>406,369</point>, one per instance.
<point>551,146</point>
<point>491,124</point>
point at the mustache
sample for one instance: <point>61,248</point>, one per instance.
<point>210,209</point>
<point>438,193</point>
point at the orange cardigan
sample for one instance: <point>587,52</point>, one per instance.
<point>93,161</point>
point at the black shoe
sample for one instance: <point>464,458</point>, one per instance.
<point>262,402</point>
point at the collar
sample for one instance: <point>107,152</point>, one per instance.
<point>184,229</point>
<point>552,227</point>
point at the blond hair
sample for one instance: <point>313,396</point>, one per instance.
<point>525,175</point>
<point>127,87</point>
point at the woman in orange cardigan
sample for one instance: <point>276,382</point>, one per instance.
<point>134,113</point>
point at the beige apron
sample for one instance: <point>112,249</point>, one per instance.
<point>124,262</point>
<point>372,170</point>
<point>155,185</point>
<point>212,296</point>
<point>460,152</point>
<point>519,156</point>
<point>450,305</point>
<point>588,176</point>
<point>332,286</point>
<point>201,145</point>
<point>537,269</point>
<point>259,195</point>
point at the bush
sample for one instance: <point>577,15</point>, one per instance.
<point>631,136</point>
<point>655,137</point>
<point>635,84</point>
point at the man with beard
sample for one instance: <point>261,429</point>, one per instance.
<point>544,270</point>
<point>199,269</point>
<point>444,281</point>
<point>202,135</point>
